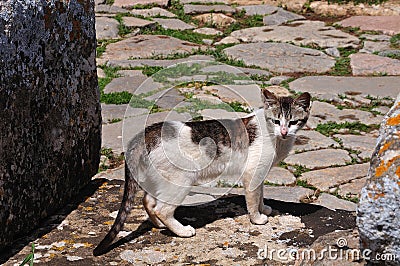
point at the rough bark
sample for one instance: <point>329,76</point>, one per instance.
<point>50,116</point>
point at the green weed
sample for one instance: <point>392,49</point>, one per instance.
<point>102,45</point>
<point>331,128</point>
<point>395,41</point>
<point>303,183</point>
<point>30,257</point>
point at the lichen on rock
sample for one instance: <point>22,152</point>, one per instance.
<point>49,109</point>
<point>379,209</point>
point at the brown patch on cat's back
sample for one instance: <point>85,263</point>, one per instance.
<point>154,133</point>
<point>213,129</point>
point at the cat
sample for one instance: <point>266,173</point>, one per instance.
<point>168,158</point>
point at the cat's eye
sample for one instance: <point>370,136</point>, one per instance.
<point>276,121</point>
<point>292,123</point>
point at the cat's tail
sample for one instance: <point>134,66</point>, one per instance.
<point>130,189</point>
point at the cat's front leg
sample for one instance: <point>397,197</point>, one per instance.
<point>253,201</point>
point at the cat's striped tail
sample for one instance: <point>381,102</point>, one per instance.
<point>130,189</point>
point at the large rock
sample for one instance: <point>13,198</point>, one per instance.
<point>281,57</point>
<point>379,209</point>
<point>298,33</point>
<point>50,112</point>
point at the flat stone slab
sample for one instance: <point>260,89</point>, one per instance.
<point>247,94</point>
<point>322,112</point>
<point>287,194</point>
<point>369,64</point>
<point>239,71</point>
<point>204,1</point>
<point>152,62</point>
<point>109,9</point>
<point>106,28</point>
<point>132,3</point>
<point>319,159</point>
<point>196,9</point>
<point>281,57</point>
<point>168,99</point>
<point>217,19</point>
<point>328,178</point>
<point>110,112</point>
<point>376,37</point>
<point>298,33</point>
<point>132,84</point>
<point>363,86</point>
<point>263,10</point>
<point>371,47</point>
<point>364,144</point>
<point>333,203</point>
<point>280,17</point>
<point>280,176</point>
<point>173,24</point>
<point>387,24</point>
<point>143,46</point>
<point>209,114</point>
<point>208,31</point>
<point>134,22</point>
<point>353,188</point>
<point>152,12</point>
<point>308,140</point>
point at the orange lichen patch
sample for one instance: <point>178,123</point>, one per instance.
<point>109,222</point>
<point>385,147</point>
<point>383,167</point>
<point>379,195</point>
<point>398,171</point>
<point>88,208</point>
<point>393,121</point>
<point>87,245</point>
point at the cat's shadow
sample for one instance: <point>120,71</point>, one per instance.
<point>233,206</point>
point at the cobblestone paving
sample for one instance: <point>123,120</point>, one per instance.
<point>231,51</point>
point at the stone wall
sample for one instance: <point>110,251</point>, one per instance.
<point>379,209</point>
<point>49,109</point>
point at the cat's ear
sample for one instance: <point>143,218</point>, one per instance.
<point>304,101</point>
<point>268,98</point>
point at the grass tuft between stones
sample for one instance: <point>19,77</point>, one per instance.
<point>331,128</point>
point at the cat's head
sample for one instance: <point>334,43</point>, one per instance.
<point>286,115</point>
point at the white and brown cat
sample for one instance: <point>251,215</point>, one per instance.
<point>168,158</point>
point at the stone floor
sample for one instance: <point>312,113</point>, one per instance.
<point>205,61</point>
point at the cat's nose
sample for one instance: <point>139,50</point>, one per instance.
<point>284,131</point>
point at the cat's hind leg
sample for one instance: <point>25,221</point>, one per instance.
<point>264,209</point>
<point>149,203</point>
<point>165,212</point>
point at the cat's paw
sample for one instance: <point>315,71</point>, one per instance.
<point>259,219</point>
<point>187,231</point>
<point>267,210</point>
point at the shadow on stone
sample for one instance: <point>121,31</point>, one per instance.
<point>52,222</point>
<point>316,218</point>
